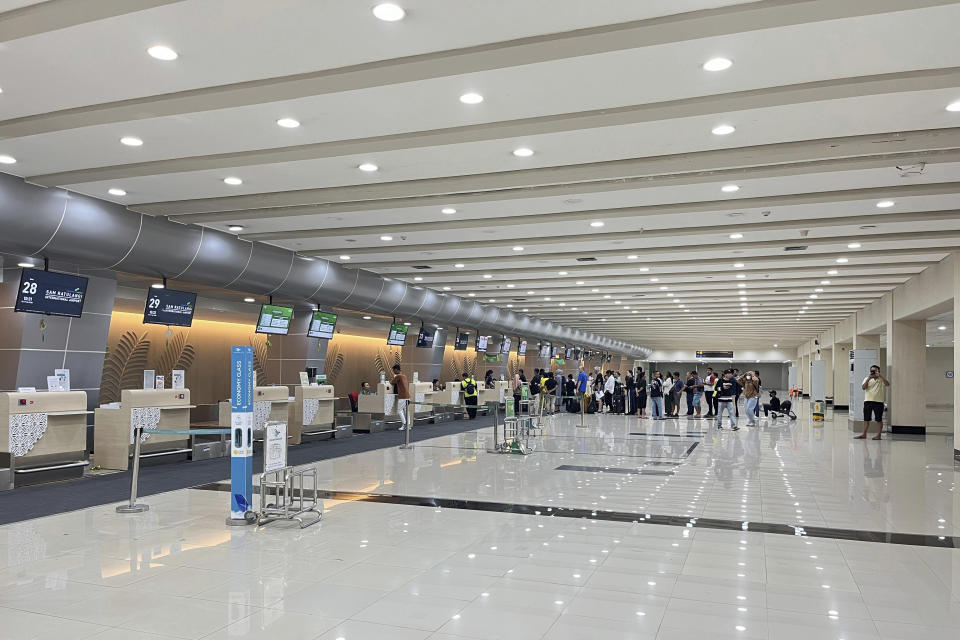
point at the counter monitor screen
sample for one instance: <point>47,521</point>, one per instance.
<point>425,338</point>
<point>569,354</point>
<point>51,293</point>
<point>545,350</point>
<point>505,346</point>
<point>556,350</point>
<point>274,319</point>
<point>482,343</point>
<point>322,325</point>
<point>463,339</point>
<point>522,348</point>
<point>398,334</point>
<point>169,307</point>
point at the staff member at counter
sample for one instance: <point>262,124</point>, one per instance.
<point>402,389</point>
<point>469,387</point>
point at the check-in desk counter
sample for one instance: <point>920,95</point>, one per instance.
<point>500,391</point>
<point>312,414</point>
<point>43,437</point>
<point>149,409</point>
<point>421,392</point>
<point>379,406</point>
<point>269,403</point>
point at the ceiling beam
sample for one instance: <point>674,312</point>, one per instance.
<point>53,15</point>
<point>844,153</point>
<point>820,91</point>
<point>740,18</point>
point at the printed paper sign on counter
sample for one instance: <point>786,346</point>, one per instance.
<point>178,375</point>
<point>159,382</point>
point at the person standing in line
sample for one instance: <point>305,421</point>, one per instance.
<point>470,393</point>
<point>697,393</point>
<point>642,393</point>
<point>631,390</point>
<point>559,395</point>
<point>609,386</point>
<point>874,387</point>
<point>582,382</point>
<point>533,398</point>
<point>750,383</point>
<point>402,389</point>
<point>569,391</point>
<point>726,393</point>
<point>689,388</point>
<point>656,396</point>
<point>736,404</point>
<point>708,381</point>
<point>549,391</point>
<point>667,385</point>
<point>677,389</point>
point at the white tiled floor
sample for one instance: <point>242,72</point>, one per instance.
<point>382,571</point>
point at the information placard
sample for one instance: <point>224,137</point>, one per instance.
<point>463,339</point>
<point>169,307</point>
<point>51,293</point>
<point>322,325</point>
<point>274,446</point>
<point>398,334</point>
<point>274,319</point>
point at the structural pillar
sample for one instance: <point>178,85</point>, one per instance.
<point>956,358</point>
<point>841,375</point>
<point>906,366</point>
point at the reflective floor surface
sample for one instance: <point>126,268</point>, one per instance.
<point>394,571</point>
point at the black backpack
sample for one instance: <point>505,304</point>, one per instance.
<point>471,387</point>
<point>535,385</point>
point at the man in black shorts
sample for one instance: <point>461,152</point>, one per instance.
<point>874,389</point>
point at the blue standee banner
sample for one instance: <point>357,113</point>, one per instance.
<point>241,438</point>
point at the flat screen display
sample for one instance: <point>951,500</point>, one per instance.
<point>505,346</point>
<point>274,319</point>
<point>482,343</point>
<point>425,338</point>
<point>556,350</point>
<point>460,344</point>
<point>322,325</point>
<point>714,354</point>
<point>522,348</point>
<point>545,350</point>
<point>398,334</point>
<point>569,354</point>
<point>169,307</point>
<point>51,293</point>
<point>576,354</point>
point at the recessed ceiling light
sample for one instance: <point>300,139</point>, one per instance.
<point>664,288</point>
<point>632,257</point>
<point>5,159</point>
<point>547,299</point>
<point>573,309</point>
<point>563,304</point>
<point>595,290</point>
<point>368,167</point>
<point>389,12</point>
<point>814,296</point>
<point>561,273</point>
<point>579,282</point>
<point>446,288</point>
<point>832,272</point>
<point>386,238</point>
<point>235,227</point>
<point>741,286</point>
<point>491,300</point>
<point>249,300</point>
<point>842,260</point>
<point>471,98</point>
<point>730,188</point>
<point>824,282</point>
<point>954,106</point>
<point>669,295</point>
<point>232,181</point>
<point>487,276</point>
<point>738,265</point>
<point>808,302</point>
<point>366,317</point>
<point>818,290</point>
<point>885,204</point>
<point>644,268</point>
<point>942,328</point>
<point>162,52</point>
<point>634,311</point>
<point>116,191</point>
<point>418,278</point>
<point>736,236</point>
<point>344,257</point>
<point>654,279</point>
<point>459,265</point>
<point>288,123</point>
<point>157,285</point>
<point>596,223</point>
<point>523,152</point>
<point>717,64</point>
<point>928,345</point>
<point>509,306</point>
<point>525,309</point>
<point>743,298</point>
<point>775,345</point>
<point>607,296</point>
<point>471,294</point>
<point>131,141</point>
<point>529,293</point>
<point>854,245</point>
<point>723,130</point>
<point>448,211</point>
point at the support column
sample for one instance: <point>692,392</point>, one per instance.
<point>841,375</point>
<point>956,359</point>
<point>906,367</point>
<point>827,353</point>
<point>805,374</point>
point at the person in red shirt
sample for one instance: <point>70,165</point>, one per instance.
<point>402,389</point>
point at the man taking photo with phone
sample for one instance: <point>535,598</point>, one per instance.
<point>874,388</point>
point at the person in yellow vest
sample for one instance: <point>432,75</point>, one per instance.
<point>469,387</point>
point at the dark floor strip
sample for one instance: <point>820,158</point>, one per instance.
<point>883,537</point>
<point>668,435</point>
<point>49,499</point>
<point>625,471</point>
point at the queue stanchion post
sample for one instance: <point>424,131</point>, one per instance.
<point>133,507</point>
<point>406,438</point>
<point>496,426</point>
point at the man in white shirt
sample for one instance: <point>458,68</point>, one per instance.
<point>608,388</point>
<point>709,381</point>
<point>668,395</point>
<point>874,390</point>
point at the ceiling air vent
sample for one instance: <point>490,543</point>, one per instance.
<point>586,259</point>
<point>422,266</point>
<point>796,247</point>
<point>781,290</point>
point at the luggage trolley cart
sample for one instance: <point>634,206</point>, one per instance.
<point>287,487</point>
<point>516,435</point>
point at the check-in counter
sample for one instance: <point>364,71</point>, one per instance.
<point>43,436</point>
<point>500,391</point>
<point>421,392</point>
<point>379,404</point>
<point>312,414</point>
<point>150,409</point>
<point>269,403</point>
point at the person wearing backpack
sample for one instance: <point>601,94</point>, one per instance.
<point>656,396</point>
<point>533,402</point>
<point>549,389</point>
<point>469,387</point>
<point>642,393</point>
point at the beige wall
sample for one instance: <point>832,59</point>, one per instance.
<point>938,389</point>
